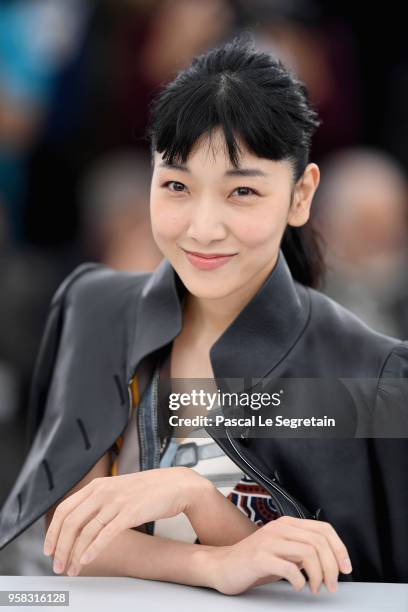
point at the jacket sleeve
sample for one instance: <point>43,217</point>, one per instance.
<point>43,368</point>
<point>389,446</point>
<point>11,511</point>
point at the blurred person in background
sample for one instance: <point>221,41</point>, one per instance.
<point>37,38</point>
<point>362,210</point>
<point>174,31</point>
<point>115,216</point>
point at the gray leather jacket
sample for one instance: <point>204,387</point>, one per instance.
<point>104,324</point>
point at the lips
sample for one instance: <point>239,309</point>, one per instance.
<point>210,256</point>
<point>208,261</point>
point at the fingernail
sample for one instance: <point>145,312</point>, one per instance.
<point>346,566</point>
<point>57,566</point>
<point>47,548</point>
<point>332,587</point>
<point>71,571</point>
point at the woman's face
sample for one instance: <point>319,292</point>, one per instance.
<point>209,207</point>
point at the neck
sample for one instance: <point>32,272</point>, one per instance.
<point>207,319</point>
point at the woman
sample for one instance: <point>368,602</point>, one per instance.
<point>234,298</point>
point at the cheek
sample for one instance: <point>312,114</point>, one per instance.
<point>167,220</point>
<point>260,230</point>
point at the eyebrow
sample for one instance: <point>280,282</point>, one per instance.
<point>232,172</point>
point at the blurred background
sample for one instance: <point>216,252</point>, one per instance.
<point>76,78</point>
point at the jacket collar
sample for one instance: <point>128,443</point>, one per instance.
<point>254,343</point>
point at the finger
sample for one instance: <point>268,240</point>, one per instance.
<point>71,528</point>
<point>69,562</point>
<point>104,537</point>
<point>320,542</point>
<point>339,549</point>
<point>62,510</point>
<point>295,552</point>
<point>271,564</point>
<point>87,536</point>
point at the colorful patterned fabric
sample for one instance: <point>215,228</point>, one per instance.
<point>254,501</point>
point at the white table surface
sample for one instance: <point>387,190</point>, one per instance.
<point>88,594</point>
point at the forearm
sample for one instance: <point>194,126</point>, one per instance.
<point>214,518</point>
<point>139,555</point>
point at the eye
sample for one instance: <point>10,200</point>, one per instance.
<point>175,182</point>
<point>248,188</point>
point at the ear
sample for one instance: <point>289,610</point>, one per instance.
<point>302,197</point>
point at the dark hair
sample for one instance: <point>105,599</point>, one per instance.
<point>251,94</point>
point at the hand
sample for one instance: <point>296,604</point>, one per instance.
<point>86,521</point>
<point>280,549</point>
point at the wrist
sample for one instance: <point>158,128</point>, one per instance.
<point>208,560</point>
<point>196,489</point>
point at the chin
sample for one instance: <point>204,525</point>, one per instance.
<point>210,288</point>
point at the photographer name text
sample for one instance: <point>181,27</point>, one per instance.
<point>255,420</point>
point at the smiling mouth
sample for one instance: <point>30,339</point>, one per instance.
<point>209,256</point>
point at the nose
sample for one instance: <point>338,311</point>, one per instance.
<point>206,223</point>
